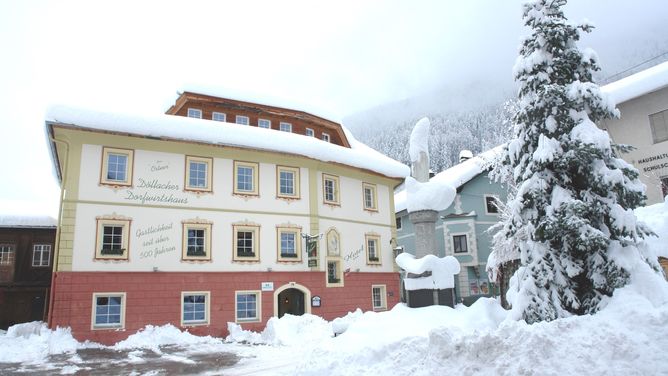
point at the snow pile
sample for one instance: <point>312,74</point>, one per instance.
<point>220,133</point>
<point>480,340</point>
<point>152,337</point>
<point>289,330</point>
<point>433,195</point>
<point>419,140</point>
<point>27,221</point>
<point>443,270</point>
<point>341,324</point>
<point>33,342</point>
<point>656,217</point>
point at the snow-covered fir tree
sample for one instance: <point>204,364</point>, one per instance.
<point>571,216</point>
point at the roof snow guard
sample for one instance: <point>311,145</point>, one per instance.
<point>209,132</point>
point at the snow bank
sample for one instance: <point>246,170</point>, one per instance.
<point>289,330</point>
<point>33,342</point>
<point>443,271</point>
<point>152,337</point>
<point>656,217</point>
<point>228,134</point>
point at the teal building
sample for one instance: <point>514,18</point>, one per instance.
<point>462,229</point>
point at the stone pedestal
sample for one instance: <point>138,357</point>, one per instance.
<point>424,223</point>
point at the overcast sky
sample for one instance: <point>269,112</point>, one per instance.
<point>342,56</point>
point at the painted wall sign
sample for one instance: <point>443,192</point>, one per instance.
<point>155,240</point>
<point>315,301</point>
<point>156,190</point>
<point>354,255</point>
<point>655,158</point>
<point>267,286</point>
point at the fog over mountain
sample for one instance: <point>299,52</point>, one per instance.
<point>468,104</point>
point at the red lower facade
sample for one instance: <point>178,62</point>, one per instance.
<point>155,298</point>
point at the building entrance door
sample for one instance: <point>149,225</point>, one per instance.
<point>291,301</point>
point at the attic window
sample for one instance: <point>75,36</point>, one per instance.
<point>242,120</point>
<point>325,137</point>
<point>285,127</point>
<point>195,113</point>
<point>218,116</point>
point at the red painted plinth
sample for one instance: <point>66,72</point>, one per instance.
<point>155,298</point>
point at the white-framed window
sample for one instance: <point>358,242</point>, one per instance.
<point>334,273</point>
<point>108,310</point>
<point>112,239</point>
<point>287,182</point>
<point>264,123</point>
<point>491,205</point>
<point>246,239</point>
<point>310,132</point>
<point>196,241</point>
<point>195,113</point>
<point>248,307</point>
<point>379,297</point>
<point>195,307</point>
<point>325,137</point>
<point>198,173</point>
<point>330,189</point>
<point>373,250</point>
<point>285,127</point>
<point>460,243</point>
<point>659,124</point>
<point>289,244</point>
<point>398,222</point>
<point>41,255</point>
<point>218,116</point>
<point>243,120</point>
<point>116,166</point>
<point>369,197</point>
<point>246,178</point>
<point>7,254</point>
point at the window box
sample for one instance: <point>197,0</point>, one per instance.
<point>196,241</point>
<point>112,238</point>
<point>246,242</point>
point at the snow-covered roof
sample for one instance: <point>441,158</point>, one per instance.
<point>211,132</point>
<point>638,84</point>
<point>263,99</point>
<point>455,176</point>
<point>28,221</point>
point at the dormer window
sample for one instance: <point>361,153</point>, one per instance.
<point>310,132</point>
<point>218,116</point>
<point>243,120</point>
<point>285,127</point>
<point>264,123</point>
<point>325,137</point>
<point>195,113</point>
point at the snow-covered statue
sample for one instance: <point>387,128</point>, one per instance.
<point>429,279</point>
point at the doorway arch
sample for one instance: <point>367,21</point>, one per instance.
<point>298,300</point>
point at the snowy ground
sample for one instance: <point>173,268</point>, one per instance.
<point>628,337</point>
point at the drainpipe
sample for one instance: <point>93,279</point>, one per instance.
<point>63,179</point>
